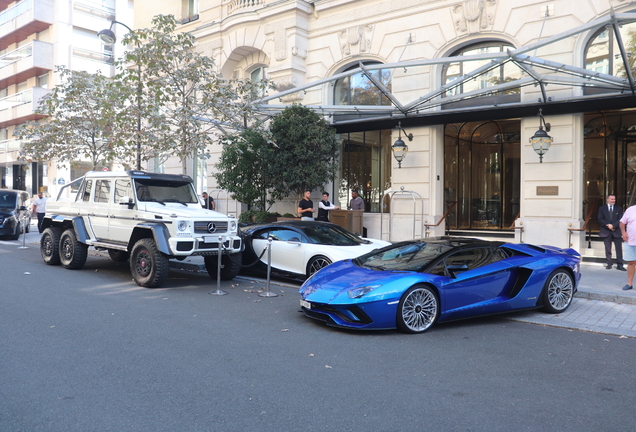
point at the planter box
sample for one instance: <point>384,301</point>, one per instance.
<point>280,218</point>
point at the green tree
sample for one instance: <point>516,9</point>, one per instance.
<point>244,169</point>
<point>183,101</point>
<point>307,152</point>
<point>81,112</point>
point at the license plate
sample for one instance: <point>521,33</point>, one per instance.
<point>305,304</point>
<point>211,239</point>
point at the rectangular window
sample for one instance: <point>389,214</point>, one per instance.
<point>86,195</point>
<point>102,191</point>
<point>122,189</point>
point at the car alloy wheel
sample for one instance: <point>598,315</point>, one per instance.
<point>418,309</point>
<point>558,292</point>
<point>316,264</point>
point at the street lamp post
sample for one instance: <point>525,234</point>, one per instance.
<point>107,36</point>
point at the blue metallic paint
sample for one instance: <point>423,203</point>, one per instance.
<point>482,291</point>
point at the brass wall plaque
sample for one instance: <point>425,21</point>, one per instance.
<point>547,190</point>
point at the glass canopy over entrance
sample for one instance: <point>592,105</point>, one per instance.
<point>456,99</point>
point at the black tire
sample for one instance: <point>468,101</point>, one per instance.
<point>558,292</point>
<point>50,246</point>
<point>418,309</point>
<point>148,266</point>
<point>28,226</point>
<point>317,263</point>
<point>118,255</point>
<point>230,265</point>
<point>73,253</point>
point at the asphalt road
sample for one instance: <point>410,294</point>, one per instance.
<point>89,350</point>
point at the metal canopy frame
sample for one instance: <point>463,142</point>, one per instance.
<point>429,105</point>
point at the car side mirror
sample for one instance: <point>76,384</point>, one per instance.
<point>126,200</point>
<point>293,240</point>
<point>453,269</point>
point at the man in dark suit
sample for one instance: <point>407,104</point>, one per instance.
<point>609,217</point>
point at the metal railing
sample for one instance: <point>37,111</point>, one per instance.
<point>515,227</point>
<point>16,99</point>
<point>15,11</point>
<point>10,145</point>
<point>441,219</point>
<point>571,230</point>
<point>16,55</point>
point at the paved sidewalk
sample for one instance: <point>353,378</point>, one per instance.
<point>600,305</point>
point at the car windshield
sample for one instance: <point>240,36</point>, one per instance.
<point>411,256</point>
<point>165,191</point>
<point>7,200</point>
<point>331,235</point>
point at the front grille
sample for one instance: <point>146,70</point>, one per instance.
<point>352,314</point>
<point>215,245</point>
<point>210,227</point>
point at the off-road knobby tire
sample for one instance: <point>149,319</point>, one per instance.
<point>230,265</point>
<point>118,255</point>
<point>148,266</point>
<point>73,253</point>
<point>50,246</point>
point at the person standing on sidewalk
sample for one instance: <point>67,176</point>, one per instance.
<point>39,208</point>
<point>208,202</point>
<point>628,230</point>
<point>609,217</point>
<point>306,207</point>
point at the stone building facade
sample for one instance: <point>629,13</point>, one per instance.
<point>467,80</point>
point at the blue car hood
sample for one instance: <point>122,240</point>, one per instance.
<point>337,279</point>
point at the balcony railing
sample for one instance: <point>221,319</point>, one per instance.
<point>243,5</point>
<point>10,145</point>
<point>21,107</point>
<point>16,55</point>
<point>23,20</point>
<point>95,10</point>
<point>94,55</point>
<point>15,11</point>
<point>26,62</point>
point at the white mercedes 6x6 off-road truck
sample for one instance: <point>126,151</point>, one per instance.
<point>146,218</point>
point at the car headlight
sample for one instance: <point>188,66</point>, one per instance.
<point>360,291</point>
<point>233,225</point>
<point>182,225</point>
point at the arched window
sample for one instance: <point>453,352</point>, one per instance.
<point>603,54</point>
<point>358,89</point>
<point>503,73</point>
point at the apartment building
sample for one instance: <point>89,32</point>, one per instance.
<point>36,36</point>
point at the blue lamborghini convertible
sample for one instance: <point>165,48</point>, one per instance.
<point>413,284</point>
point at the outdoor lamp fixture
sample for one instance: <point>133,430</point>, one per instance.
<point>541,141</point>
<point>400,149</point>
<point>107,36</point>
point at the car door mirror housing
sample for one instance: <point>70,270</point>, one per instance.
<point>453,269</point>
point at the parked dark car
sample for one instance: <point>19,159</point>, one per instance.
<point>14,213</point>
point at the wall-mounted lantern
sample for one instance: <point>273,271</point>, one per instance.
<point>400,149</point>
<point>541,141</point>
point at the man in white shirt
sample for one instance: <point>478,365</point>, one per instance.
<point>39,208</point>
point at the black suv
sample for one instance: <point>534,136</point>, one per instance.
<point>14,213</point>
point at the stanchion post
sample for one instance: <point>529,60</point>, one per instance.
<point>24,246</point>
<point>218,290</point>
<point>267,292</point>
